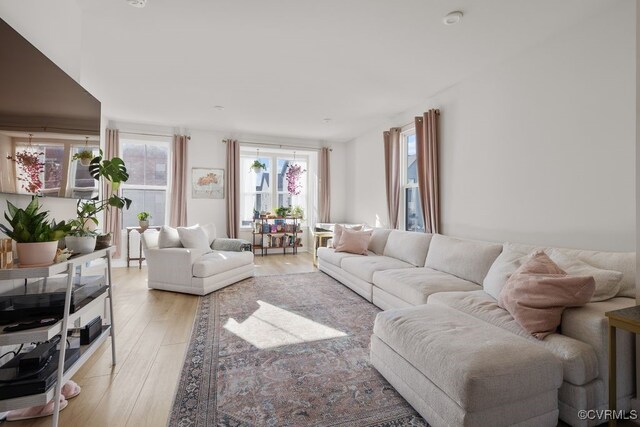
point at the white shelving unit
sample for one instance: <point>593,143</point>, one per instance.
<point>69,268</point>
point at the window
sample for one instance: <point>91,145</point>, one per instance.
<point>82,184</point>
<point>412,218</point>
<point>260,192</point>
<point>147,163</point>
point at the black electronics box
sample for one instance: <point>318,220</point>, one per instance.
<point>14,382</point>
<point>45,298</point>
<point>91,331</point>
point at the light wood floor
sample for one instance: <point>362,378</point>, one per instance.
<point>152,332</point>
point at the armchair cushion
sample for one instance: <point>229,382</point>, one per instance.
<point>193,237</point>
<point>168,238</point>
<point>232,245</point>
<point>217,262</point>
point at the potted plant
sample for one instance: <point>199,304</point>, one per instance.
<point>297,212</point>
<point>143,218</point>
<point>80,240</point>
<point>283,211</point>
<point>257,166</point>
<point>36,237</point>
<point>84,157</point>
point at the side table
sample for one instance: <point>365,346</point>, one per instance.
<point>317,241</point>
<point>627,319</point>
<point>140,230</point>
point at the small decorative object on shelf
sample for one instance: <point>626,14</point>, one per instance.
<point>276,233</point>
<point>6,253</point>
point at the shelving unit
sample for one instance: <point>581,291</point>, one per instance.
<point>69,267</point>
<point>276,233</point>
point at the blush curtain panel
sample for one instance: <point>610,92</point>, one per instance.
<point>233,188</point>
<point>427,160</point>
<point>324,186</point>
<point>392,173</point>
<point>112,217</point>
<point>178,213</point>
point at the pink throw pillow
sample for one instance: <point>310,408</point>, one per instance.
<point>537,293</point>
<point>355,242</point>
<point>337,232</point>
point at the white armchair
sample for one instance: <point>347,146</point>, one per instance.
<point>193,271</point>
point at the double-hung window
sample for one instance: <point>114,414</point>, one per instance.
<point>269,188</point>
<point>411,209</point>
<point>147,164</point>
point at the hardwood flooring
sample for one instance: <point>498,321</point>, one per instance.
<point>152,332</point>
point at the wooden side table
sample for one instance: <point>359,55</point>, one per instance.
<point>317,241</point>
<point>140,230</point>
<point>627,319</point>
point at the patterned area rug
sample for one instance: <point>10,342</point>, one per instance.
<point>288,350</point>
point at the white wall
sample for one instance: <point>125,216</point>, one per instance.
<point>537,149</point>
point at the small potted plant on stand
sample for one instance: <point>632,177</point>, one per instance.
<point>143,218</point>
<point>80,240</point>
<point>283,211</point>
<point>297,212</point>
<point>36,237</point>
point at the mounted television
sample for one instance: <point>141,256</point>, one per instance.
<point>48,124</point>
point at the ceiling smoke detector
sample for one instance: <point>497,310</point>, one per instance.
<point>137,3</point>
<point>452,18</point>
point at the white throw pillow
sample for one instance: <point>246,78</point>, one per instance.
<point>211,231</point>
<point>502,268</point>
<point>607,281</point>
<point>168,238</point>
<point>193,237</point>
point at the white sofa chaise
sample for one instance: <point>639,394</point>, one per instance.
<point>413,275</point>
<point>193,271</point>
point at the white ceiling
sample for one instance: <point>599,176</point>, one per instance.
<point>279,67</point>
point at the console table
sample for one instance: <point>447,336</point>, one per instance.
<point>627,319</point>
<point>140,230</point>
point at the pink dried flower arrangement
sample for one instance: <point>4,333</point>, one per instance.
<point>293,174</point>
<point>31,167</point>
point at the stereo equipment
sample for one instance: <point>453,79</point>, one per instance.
<point>91,331</point>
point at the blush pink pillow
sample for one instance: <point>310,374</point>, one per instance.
<point>355,242</point>
<point>337,232</point>
<point>537,293</point>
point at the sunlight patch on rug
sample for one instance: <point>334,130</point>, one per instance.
<point>271,326</point>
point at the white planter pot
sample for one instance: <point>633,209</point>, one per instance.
<point>144,224</point>
<point>36,254</point>
<point>85,162</point>
<point>80,244</point>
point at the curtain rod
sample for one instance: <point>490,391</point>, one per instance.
<point>259,144</point>
<point>150,134</point>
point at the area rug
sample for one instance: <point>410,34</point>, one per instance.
<point>289,350</point>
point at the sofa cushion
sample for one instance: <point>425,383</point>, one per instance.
<point>509,260</point>
<point>416,284</point>
<point>330,256</point>
<point>193,237</point>
<point>217,262</point>
<point>607,281</point>
<point>624,262</point>
<point>579,360</point>
<point>408,246</point>
<point>168,237</point>
<point>337,232</point>
<point>467,259</point>
<point>363,267</point>
<point>354,242</point>
<point>479,366</point>
<point>378,240</point>
<point>211,231</point>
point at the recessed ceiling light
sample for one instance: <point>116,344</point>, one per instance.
<point>218,107</point>
<point>452,18</point>
<point>137,3</point>
<point>327,120</point>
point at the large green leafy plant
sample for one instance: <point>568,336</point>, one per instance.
<point>115,172</point>
<point>31,225</point>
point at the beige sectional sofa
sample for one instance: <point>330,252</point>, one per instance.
<point>460,359</point>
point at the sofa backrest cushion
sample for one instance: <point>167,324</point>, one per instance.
<point>466,259</point>
<point>378,241</point>
<point>211,231</point>
<point>337,232</point>
<point>168,238</point>
<point>605,268</point>
<point>408,246</point>
<point>150,239</point>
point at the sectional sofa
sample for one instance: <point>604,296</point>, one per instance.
<point>460,359</point>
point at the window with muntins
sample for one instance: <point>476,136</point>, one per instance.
<point>411,210</point>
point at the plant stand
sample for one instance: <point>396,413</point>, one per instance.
<point>277,234</point>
